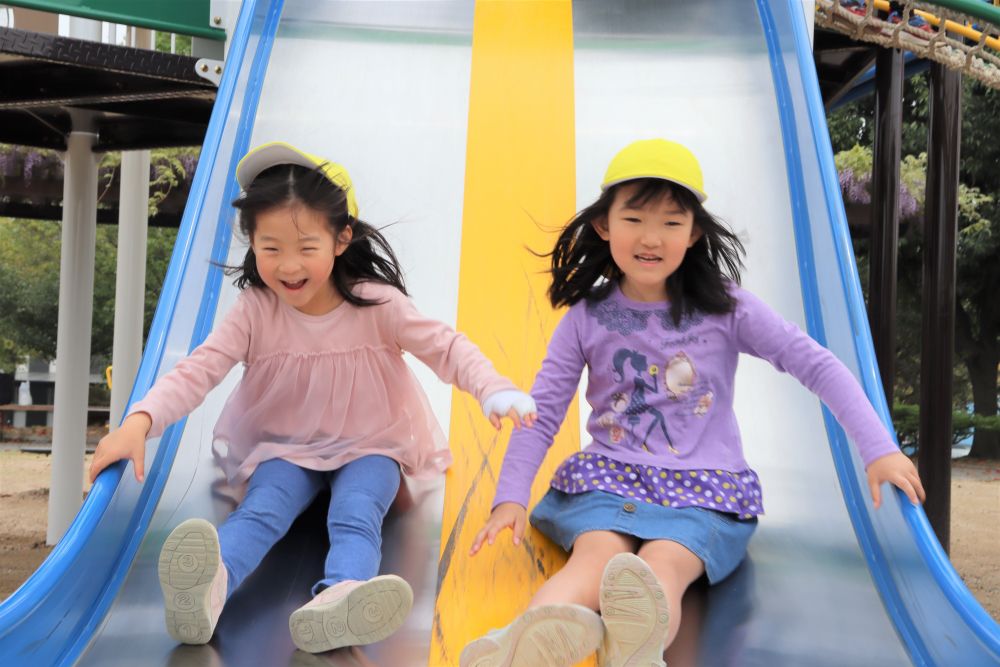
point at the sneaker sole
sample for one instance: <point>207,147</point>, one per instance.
<point>369,613</point>
<point>188,562</point>
<point>635,613</point>
<point>552,635</point>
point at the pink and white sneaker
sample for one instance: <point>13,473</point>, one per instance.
<point>351,613</point>
<point>635,614</point>
<point>193,580</point>
<point>554,635</point>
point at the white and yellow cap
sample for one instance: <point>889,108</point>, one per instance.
<point>656,158</point>
<point>274,153</point>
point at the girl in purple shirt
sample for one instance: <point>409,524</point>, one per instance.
<point>662,494</point>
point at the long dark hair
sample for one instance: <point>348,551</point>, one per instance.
<point>582,266</point>
<point>368,257</point>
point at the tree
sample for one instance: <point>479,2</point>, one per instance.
<point>29,274</point>
<point>182,43</point>
<point>977,329</point>
<point>977,341</point>
<point>30,259</point>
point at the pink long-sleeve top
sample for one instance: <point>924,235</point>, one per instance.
<point>322,391</point>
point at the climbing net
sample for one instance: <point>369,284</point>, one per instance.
<point>957,40</point>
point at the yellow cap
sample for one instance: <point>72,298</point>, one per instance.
<point>274,153</point>
<point>656,158</point>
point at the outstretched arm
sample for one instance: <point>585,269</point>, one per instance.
<point>177,393</point>
<point>458,361</point>
<point>764,333</point>
<point>554,388</point>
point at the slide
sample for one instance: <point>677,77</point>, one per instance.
<point>475,129</point>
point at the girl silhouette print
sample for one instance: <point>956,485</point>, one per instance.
<point>637,403</point>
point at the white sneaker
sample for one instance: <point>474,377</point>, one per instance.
<point>556,635</point>
<point>635,614</point>
<point>193,580</point>
<point>351,613</point>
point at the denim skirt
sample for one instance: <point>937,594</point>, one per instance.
<point>717,538</point>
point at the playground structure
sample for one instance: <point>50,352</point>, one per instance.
<point>490,144</point>
<point>938,31</point>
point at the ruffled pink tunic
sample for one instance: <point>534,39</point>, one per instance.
<point>322,391</point>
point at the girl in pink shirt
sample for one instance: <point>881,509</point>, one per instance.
<point>326,401</point>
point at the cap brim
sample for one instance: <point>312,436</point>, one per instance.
<point>701,196</point>
<point>267,156</point>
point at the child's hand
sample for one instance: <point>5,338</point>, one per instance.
<point>898,470</point>
<point>504,515</point>
<point>128,441</point>
<point>517,405</point>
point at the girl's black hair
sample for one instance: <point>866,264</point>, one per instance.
<point>582,266</point>
<point>368,257</point>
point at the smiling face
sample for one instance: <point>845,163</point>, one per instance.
<point>648,241</point>
<point>295,251</point>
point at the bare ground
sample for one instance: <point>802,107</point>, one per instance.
<point>975,515</point>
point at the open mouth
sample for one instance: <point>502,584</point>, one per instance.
<point>294,286</point>
<point>647,259</point>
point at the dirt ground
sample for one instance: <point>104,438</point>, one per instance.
<point>24,481</point>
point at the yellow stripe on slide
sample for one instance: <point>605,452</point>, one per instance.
<point>519,186</point>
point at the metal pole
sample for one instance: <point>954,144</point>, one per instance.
<point>938,342</point>
<point>130,279</point>
<point>76,297</point>
<point>885,212</point>
<point>130,274</point>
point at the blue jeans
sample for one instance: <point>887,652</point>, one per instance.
<point>360,495</point>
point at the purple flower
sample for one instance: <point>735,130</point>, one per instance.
<point>31,160</point>
<point>855,188</point>
<point>189,162</point>
<point>907,203</point>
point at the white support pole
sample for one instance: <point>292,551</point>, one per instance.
<point>809,9</point>
<point>76,298</point>
<point>130,280</point>
<point>81,28</point>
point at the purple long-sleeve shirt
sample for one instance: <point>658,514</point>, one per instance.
<point>662,395</point>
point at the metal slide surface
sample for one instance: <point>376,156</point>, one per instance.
<point>383,88</point>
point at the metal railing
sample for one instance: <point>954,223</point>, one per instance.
<point>961,34</point>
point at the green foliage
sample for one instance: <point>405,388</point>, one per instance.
<point>913,177</point>
<point>977,332</point>
<point>857,158</point>
<point>29,274</point>
<point>169,168</point>
<point>30,255</point>
<point>29,298</point>
<point>852,124</point>
<point>906,419</point>
<point>182,43</point>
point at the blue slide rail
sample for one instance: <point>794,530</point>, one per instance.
<point>938,620</point>
<point>38,624</point>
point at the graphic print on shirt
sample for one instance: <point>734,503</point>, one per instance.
<point>609,420</point>
<point>680,380</point>
<point>704,403</point>
<point>630,366</point>
<point>617,318</point>
<point>678,375</point>
<point>659,404</point>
